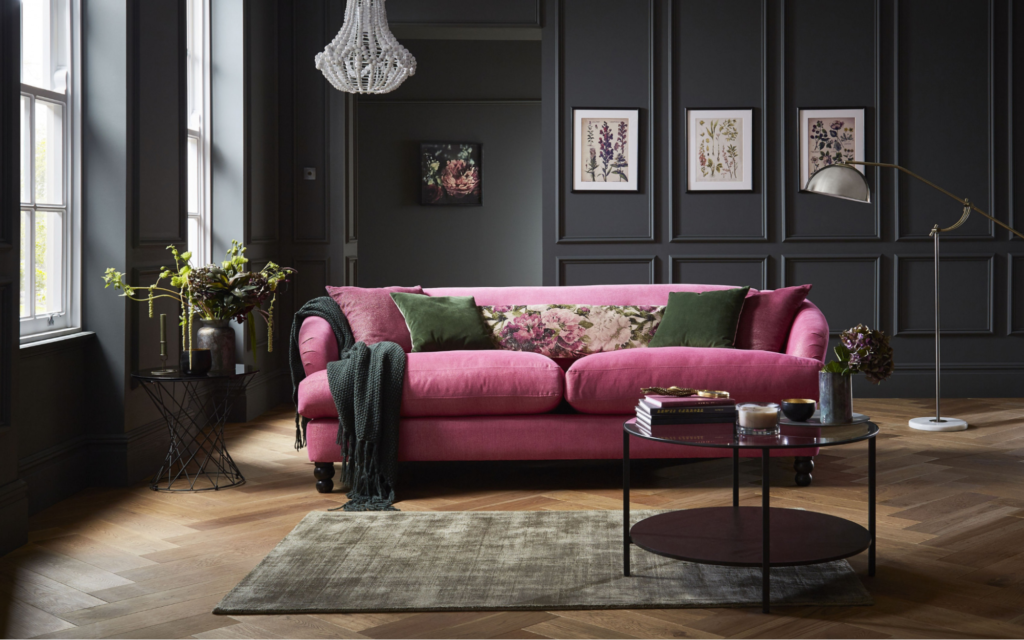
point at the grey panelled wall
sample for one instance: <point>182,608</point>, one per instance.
<point>937,80</point>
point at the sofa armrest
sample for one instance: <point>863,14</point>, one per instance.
<point>317,344</point>
<point>808,335</point>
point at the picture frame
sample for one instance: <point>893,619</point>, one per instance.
<point>606,150</point>
<point>821,130</point>
<point>719,149</point>
<point>451,174</point>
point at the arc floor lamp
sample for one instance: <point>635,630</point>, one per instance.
<point>846,182</point>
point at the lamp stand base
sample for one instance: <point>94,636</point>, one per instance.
<point>929,424</point>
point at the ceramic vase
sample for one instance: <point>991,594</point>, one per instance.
<point>835,397</point>
<point>219,338</point>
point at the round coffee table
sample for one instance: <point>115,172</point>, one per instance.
<point>751,536</point>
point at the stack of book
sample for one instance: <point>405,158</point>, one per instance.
<point>662,410</point>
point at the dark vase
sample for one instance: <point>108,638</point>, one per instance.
<point>836,398</point>
<point>199,365</point>
<point>219,338</point>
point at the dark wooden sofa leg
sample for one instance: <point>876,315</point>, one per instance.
<point>323,472</point>
<point>803,465</point>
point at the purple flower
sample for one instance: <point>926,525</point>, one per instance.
<point>870,352</point>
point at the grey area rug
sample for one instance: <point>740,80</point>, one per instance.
<point>502,560</point>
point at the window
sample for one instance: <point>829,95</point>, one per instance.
<point>198,134</point>
<point>46,194</point>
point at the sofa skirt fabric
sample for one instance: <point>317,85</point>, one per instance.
<point>536,437</point>
<point>610,383</point>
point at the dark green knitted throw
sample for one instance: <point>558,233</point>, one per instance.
<point>366,384</point>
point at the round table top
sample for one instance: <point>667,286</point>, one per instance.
<point>724,436</point>
<point>150,375</point>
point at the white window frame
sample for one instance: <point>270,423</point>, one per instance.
<point>37,327</point>
<point>199,123</point>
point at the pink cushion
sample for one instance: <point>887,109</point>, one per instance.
<point>610,382</point>
<point>459,383</point>
<point>767,317</point>
<point>537,437</point>
<point>372,315</point>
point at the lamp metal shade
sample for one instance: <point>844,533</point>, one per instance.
<point>840,181</point>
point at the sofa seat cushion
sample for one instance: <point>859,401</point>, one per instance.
<point>459,383</point>
<point>610,383</point>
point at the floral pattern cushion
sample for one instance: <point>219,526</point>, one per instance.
<point>571,330</point>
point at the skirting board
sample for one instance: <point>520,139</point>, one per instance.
<point>13,515</point>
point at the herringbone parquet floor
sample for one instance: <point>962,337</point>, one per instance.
<point>130,563</point>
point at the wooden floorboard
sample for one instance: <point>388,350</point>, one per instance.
<point>132,563</point>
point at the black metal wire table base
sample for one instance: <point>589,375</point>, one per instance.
<point>197,458</point>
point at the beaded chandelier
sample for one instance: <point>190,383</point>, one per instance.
<point>365,57</point>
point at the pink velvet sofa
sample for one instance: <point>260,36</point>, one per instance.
<point>511,405</point>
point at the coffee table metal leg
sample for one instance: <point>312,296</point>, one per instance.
<point>625,502</point>
<point>765,533</point>
<point>871,505</point>
<point>736,477</point>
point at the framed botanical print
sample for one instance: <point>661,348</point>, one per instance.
<point>451,173</point>
<point>605,146</point>
<point>720,149</point>
<point>828,136</point>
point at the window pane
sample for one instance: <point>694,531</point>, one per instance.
<point>49,162</point>
<point>35,43</point>
<point>193,239</point>
<point>26,149</point>
<point>193,175</point>
<point>24,307</point>
<point>49,254</point>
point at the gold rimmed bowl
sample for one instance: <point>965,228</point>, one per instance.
<point>798,409</point>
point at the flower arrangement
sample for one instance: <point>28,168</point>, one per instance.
<point>212,292</point>
<point>863,350</point>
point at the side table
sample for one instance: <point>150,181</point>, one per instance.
<point>762,536</point>
<point>197,457</point>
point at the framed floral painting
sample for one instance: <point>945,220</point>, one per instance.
<point>451,173</point>
<point>605,145</point>
<point>720,149</point>
<point>828,136</point>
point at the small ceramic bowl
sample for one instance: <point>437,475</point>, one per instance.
<point>798,409</point>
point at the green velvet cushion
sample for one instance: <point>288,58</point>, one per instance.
<point>443,323</point>
<point>707,319</point>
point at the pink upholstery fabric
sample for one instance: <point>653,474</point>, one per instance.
<point>317,345</point>
<point>372,315</point>
<point>537,437</point>
<point>459,383</point>
<point>767,316</point>
<point>610,294</point>
<point>609,383</point>
<point>808,335</point>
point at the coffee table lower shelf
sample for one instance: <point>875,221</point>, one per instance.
<point>732,536</point>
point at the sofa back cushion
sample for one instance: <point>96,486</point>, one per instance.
<point>372,314</point>
<point>767,317</point>
<point>571,330</point>
<point>607,294</point>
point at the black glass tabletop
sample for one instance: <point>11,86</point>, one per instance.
<point>724,436</point>
<point>175,374</point>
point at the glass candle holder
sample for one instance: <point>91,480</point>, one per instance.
<point>757,419</point>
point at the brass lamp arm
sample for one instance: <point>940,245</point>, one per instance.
<point>967,204</point>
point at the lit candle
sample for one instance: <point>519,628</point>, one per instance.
<point>758,416</point>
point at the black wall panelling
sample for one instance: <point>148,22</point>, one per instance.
<point>312,123</point>
<point>847,288</point>
<point>506,13</point>
<point>593,270</point>
<point>738,270</point>
<point>312,277</point>
<point>621,79</point>
<point>732,77</point>
<point>828,79</point>
<point>1015,294</point>
<point>966,294</point>
<point>944,115</point>
<point>158,115</point>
